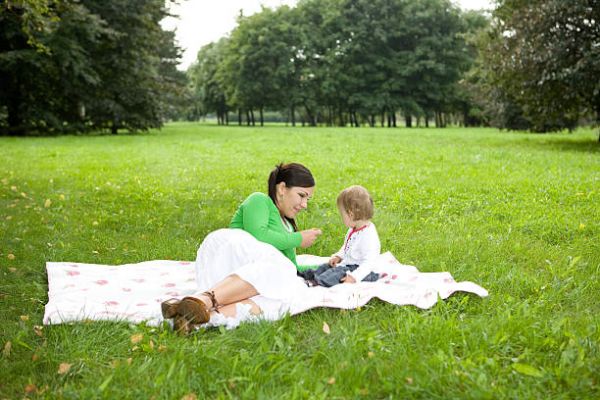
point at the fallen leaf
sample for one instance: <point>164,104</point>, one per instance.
<point>38,329</point>
<point>23,194</point>
<point>24,317</point>
<point>190,396</point>
<point>326,328</point>
<point>7,348</point>
<point>35,357</point>
<point>581,226</point>
<point>47,203</point>
<point>409,380</point>
<point>30,388</point>
<point>151,344</point>
<point>162,347</point>
<point>137,338</point>
<point>8,217</point>
<point>129,360</point>
<point>63,368</point>
<point>95,223</point>
<point>10,256</point>
<point>13,188</point>
<point>12,269</point>
<point>331,380</point>
<point>5,181</point>
<point>370,354</point>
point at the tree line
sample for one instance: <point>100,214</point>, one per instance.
<point>527,65</point>
<point>341,62</point>
<point>89,65</point>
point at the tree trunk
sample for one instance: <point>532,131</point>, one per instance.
<point>372,120</point>
<point>252,116</point>
<point>383,119</point>
<point>394,119</point>
<point>293,115</point>
<point>14,116</point>
<point>227,117</point>
<point>408,120</point>
<point>239,116</point>
<point>262,119</point>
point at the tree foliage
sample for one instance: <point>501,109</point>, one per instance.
<point>341,61</point>
<point>543,58</point>
<point>80,66</point>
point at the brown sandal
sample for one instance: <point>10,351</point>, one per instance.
<point>193,310</point>
<point>169,308</point>
<point>182,326</point>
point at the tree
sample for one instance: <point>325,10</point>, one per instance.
<point>207,86</point>
<point>77,66</point>
<point>546,55</point>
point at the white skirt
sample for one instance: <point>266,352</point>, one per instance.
<point>236,252</point>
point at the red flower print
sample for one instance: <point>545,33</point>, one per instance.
<point>101,282</point>
<point>73,273</point>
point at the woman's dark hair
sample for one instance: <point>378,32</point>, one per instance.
<point>293,174</point>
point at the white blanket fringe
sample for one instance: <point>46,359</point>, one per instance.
<point>133,292</point>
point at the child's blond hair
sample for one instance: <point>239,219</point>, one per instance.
<point>357,201</point>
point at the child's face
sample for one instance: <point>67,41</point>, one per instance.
<point>346,218</point>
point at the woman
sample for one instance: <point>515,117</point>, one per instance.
<point>251,265</point>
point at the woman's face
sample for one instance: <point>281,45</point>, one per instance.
<point>291,200</point>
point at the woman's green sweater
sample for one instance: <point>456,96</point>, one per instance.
<point>260,217</point>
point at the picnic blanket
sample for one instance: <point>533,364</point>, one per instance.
<point>133,292</point>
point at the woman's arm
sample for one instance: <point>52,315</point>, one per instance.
<point>257,212</point>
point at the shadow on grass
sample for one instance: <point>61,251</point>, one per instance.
<point>559,142</point>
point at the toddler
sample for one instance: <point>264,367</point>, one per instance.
<point>361,244</point>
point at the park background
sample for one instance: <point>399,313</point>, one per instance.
<point>476,133</point>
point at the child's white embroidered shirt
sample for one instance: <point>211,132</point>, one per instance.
<point>360,245</point>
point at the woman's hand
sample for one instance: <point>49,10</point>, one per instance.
<point>348,279</point>
<point>309,236</point>
<point>335,260</point>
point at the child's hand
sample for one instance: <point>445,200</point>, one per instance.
<point>335,260</point>
<point>348,279</point>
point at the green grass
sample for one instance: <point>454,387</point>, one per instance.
<point>517,213</point>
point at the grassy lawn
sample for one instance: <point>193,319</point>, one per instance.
<point>517,213</point>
